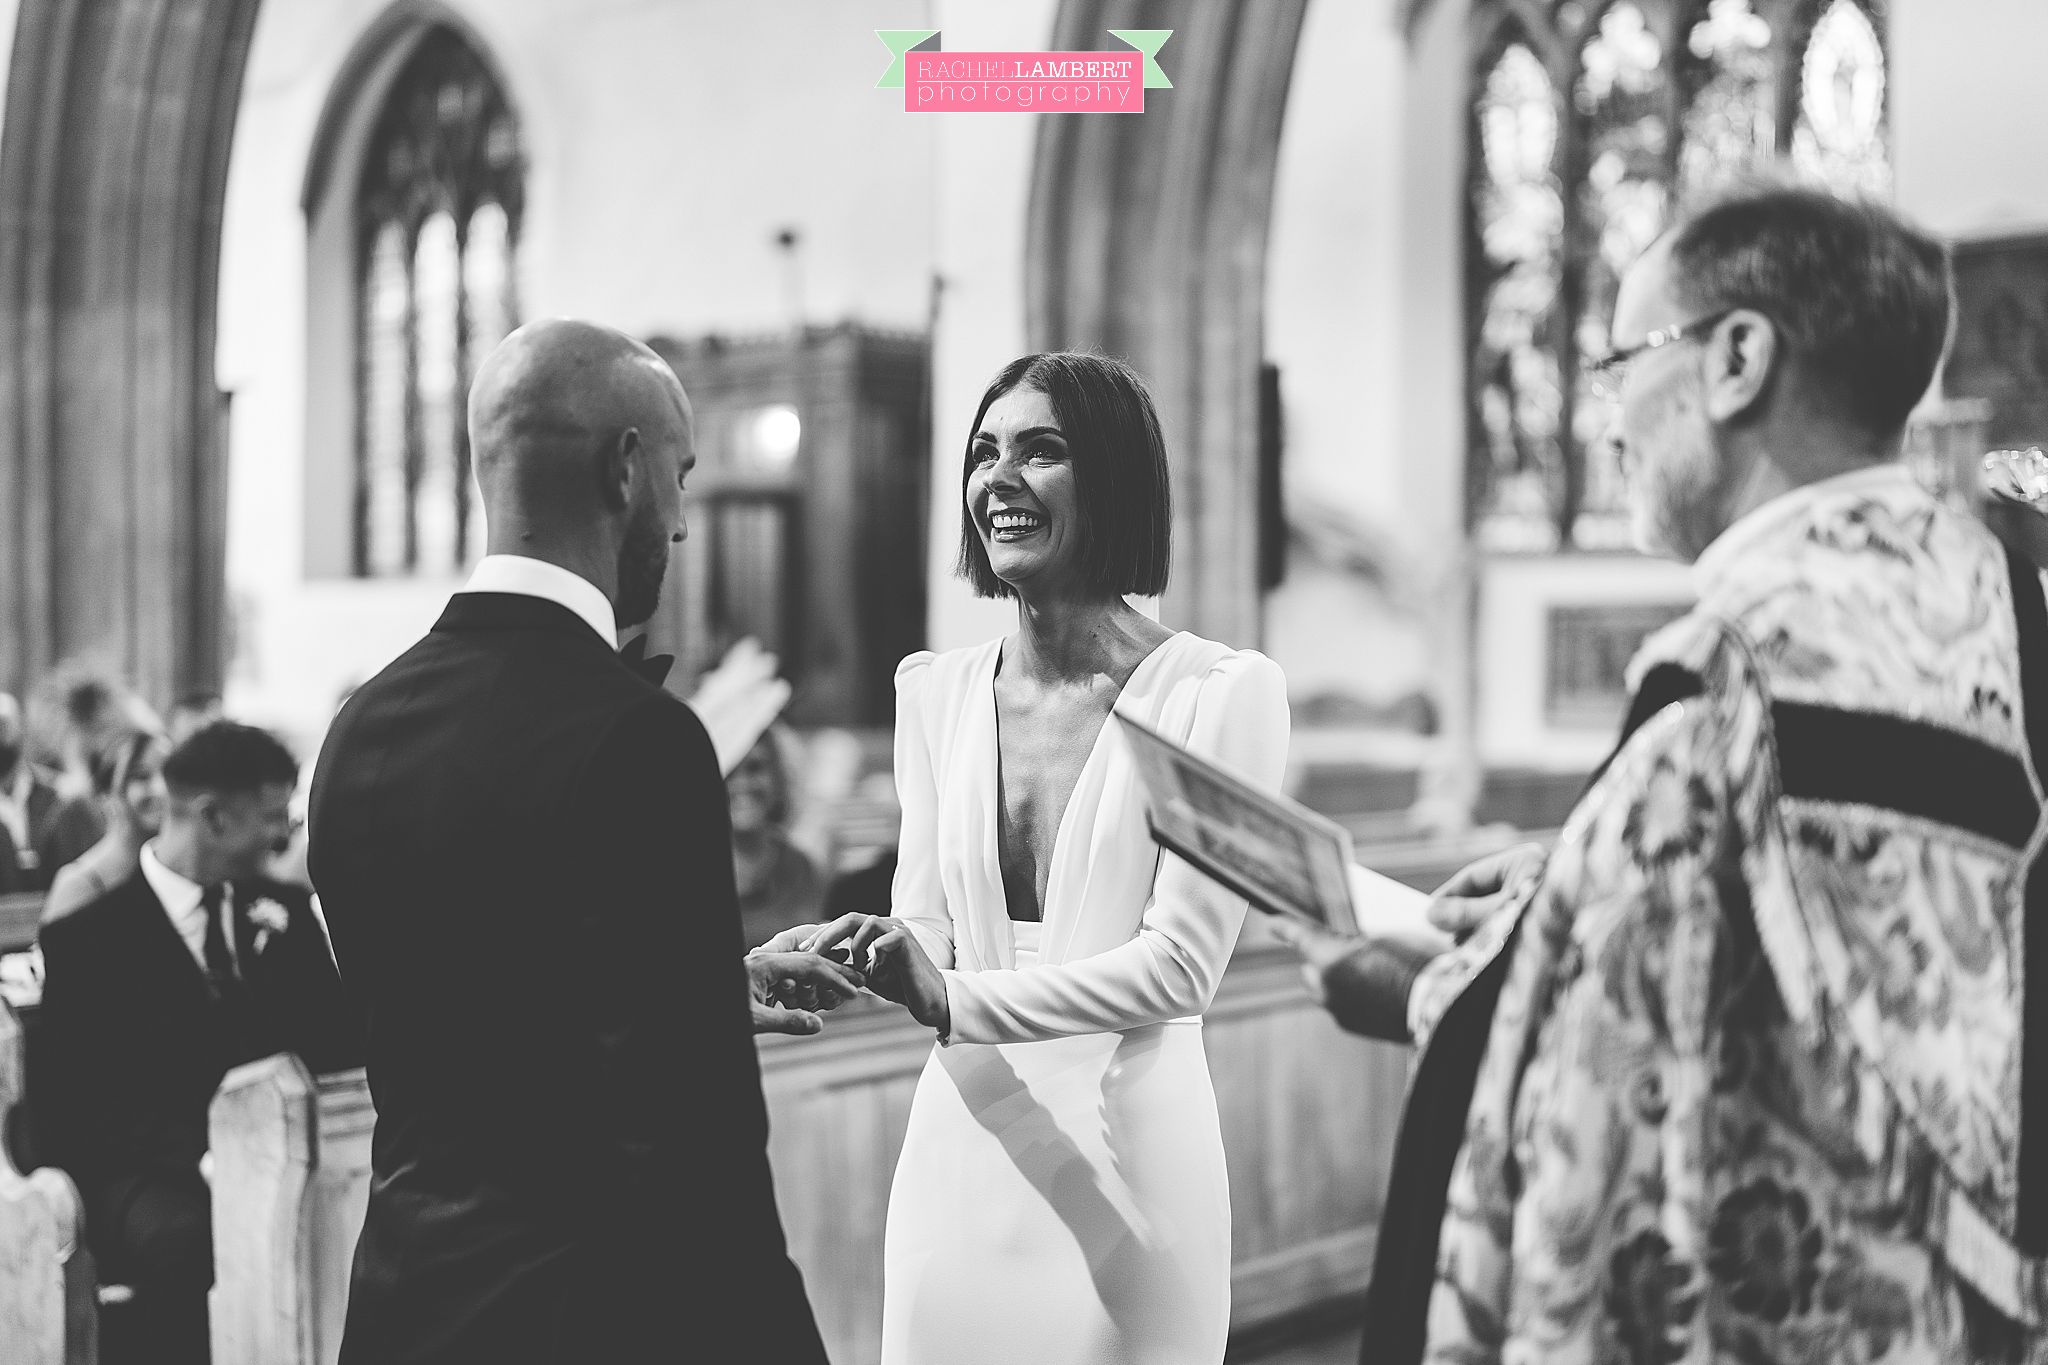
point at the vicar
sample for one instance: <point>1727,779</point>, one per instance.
<point>1764,1071</point>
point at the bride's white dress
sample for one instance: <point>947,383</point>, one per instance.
<point>1061,1198</point>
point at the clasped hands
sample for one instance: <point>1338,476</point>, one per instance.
<point>875,951</point>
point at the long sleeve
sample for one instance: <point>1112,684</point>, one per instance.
<point>1171,968</point>
<point>916,897</point>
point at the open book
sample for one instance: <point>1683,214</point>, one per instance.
<point>1278,854</point>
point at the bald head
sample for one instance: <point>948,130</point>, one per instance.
<point>580,436</point>
<point>555,390</point>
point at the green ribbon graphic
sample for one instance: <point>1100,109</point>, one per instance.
<point>1147,41</point>
<point>899,41</point>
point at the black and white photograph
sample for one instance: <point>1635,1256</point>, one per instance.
<point>665,666</point>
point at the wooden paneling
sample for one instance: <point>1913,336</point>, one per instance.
<point>1309,1115</point>
<point>47,1310</point>
<point>845,516</point>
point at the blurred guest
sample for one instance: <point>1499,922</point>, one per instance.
<point>191,712</point>
<point>70,713</point>
<point>778,884</point>
<point>1760,1078</point>
<point>127,781</point>
<point>152,991</point>
<point>43,826</point>
<point>863,891</point>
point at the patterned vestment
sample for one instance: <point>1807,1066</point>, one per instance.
<point>1761,1022</point>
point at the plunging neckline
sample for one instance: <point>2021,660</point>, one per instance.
<point>1095,751</point>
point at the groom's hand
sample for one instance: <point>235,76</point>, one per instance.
<point>789,988</point>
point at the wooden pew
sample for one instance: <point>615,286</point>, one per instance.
<point>47,1310</point>
<point>291,1181</point>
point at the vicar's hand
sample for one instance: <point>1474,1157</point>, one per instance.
<point>790,988</point>
<point>896,966</point>
<point>1478,890</point>
<point>1362,981</point>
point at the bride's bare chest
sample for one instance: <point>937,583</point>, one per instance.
<point>1044,744</point>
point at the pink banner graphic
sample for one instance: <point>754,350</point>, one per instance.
<point>1014,82</point>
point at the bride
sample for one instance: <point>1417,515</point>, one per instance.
<point>1061,1196</point>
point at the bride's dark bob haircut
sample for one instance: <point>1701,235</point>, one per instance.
<point>1119,456</point>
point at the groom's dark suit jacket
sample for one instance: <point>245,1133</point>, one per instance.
<point>525,858</point>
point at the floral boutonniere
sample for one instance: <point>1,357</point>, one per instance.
<point>270,918</point>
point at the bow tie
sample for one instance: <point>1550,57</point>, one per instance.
<point>634,656</point>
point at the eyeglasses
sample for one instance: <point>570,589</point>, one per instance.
<point>1607,374</point>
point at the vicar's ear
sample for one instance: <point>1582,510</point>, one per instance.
<point>619,467</point>
<point>1742,359</point>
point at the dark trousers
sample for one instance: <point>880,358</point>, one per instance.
<point>154,1233</point>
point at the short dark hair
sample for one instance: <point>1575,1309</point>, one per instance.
<point>1860,295</point>
<point>1120,472</point>
<point>229,759</point>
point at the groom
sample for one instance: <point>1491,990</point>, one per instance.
<point>523,851</point>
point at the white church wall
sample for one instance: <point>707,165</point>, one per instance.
<point>1336,327</point>
<point>665,144</point>
<point>1969,153</point>
<point>983,180</point>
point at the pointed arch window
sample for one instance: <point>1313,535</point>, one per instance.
<point>1590,123</point>
<point>437,227</point>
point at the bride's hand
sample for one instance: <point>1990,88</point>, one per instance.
<point>790,940</point>
<point>855,931</point>
<point>896,965</point>
<point>899,970</point>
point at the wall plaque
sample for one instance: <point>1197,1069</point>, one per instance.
<point>2001,345</point>
<point>1590,646</point>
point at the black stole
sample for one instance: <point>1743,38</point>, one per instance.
<point>2031,611</point>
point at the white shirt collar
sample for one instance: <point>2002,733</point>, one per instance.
<point>14,796</point>
<point>183,901</point>
<point>1718,559</point>
<point>538,578</point>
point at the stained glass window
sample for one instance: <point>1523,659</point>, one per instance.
<point>1521,219</point>
<point>1665,98</point>
<point>1623,99</point>
<point>1841,132</point>
<point>1730,121</point>
<point>438,212</point>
